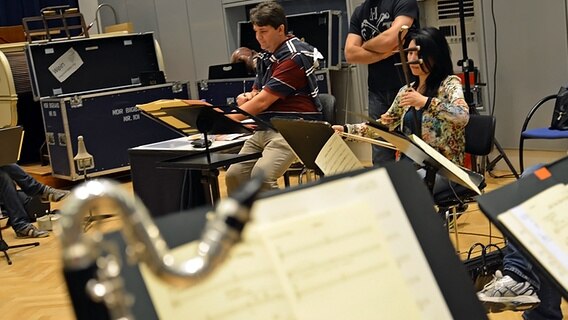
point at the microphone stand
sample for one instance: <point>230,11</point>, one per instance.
<point>467,67</point>
<point>85,161</point>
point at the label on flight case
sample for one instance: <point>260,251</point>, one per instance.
<point>66,65</point>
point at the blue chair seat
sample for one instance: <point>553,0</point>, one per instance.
<point>545,133</point>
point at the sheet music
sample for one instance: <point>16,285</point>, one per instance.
<point>449,165</point>
<point>246,287</point>
<point>158,105</point>
<point>355,258</point>
<point>540,224</point>
<point>335,157</point>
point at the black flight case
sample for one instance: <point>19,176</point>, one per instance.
<point>90,87</point>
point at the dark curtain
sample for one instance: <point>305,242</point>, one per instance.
<point>12,11</point>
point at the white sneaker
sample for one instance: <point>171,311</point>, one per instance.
<point>504,293</point>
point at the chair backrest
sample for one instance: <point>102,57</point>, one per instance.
<point>328,104</point>
<point>480,134</point>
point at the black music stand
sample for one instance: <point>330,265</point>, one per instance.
<point>430,160</point>
<point>499,201</point>
<point>448,271</point>
<point>4,247</point>
<point>306,138</point>
<point>208,120</point>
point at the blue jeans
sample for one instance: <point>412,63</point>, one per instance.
<point>9,196</point>
<point>550,298</point>
<point>379,104</point>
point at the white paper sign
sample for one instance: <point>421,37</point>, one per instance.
<point>66,65</point>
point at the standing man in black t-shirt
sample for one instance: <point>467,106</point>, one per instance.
<point>372,38</point>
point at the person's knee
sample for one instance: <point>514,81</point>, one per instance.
<point>234,176</point>
<point>231,174</point>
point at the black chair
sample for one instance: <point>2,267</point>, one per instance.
<point>479,137</point>
<point>479,141</point>
<point>328,111</point>
<point>537,133</point>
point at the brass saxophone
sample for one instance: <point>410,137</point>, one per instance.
<point>94,280</point>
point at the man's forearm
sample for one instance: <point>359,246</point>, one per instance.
<point>380,44</point>
<point>362,56</point>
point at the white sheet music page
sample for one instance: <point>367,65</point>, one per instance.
<point>329,251</point>
<point>540,224</point>
<point>336,157</point>
<point>452,167</point>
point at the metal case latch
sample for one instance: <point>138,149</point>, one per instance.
<point>177,87</point>
<point>76,102</point>
<point>203,85</point>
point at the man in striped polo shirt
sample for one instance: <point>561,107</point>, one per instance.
<point>285,86</point>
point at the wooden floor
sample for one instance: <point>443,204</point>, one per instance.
<point>33,286</point>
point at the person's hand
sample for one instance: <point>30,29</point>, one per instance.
<point>251,126</point>
<point>412,98</point>
<point>244,97</point>
<point>387,119</point>
<point>337,127</point>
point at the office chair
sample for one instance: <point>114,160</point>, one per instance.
<point>479,138</point>
<point>328,111</point>
<point>537,133</point>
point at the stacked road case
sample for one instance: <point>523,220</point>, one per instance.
<point>90,87</point>
<point>221,92</point>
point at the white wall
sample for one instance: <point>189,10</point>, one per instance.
<point>532,62</point>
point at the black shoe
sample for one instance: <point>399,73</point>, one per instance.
<point>53,195</point>
<point>31,232</point>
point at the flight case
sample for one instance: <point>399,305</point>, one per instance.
<point>90,87</point>
<point>221,92</point>
<point>110,124</point>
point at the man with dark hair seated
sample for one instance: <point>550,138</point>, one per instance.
<point>12,175</point>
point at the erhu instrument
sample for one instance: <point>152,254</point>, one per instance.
<point>92,270</point>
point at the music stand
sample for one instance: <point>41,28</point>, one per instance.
<point>445,266</point>
<point>11,144</point>
<point>306,138</point>
<point>208,120</point>
<point>498,203</point>
<point>428,158</point>
<point>203,118</point>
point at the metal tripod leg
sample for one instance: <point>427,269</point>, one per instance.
<point>4,247</point>
<point>89,220</point>
<point>503,156</point>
